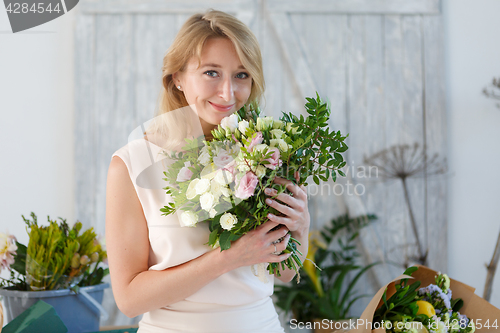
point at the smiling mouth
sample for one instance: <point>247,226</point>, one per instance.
<point>221,108</point>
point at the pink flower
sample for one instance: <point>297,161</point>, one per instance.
<point>231,167</point>
<point>274,160</point>
<point>184,173</point>
<point>246,186</point>
<point>222,159</point>
<point>8,249</point>
<point>256,140</point>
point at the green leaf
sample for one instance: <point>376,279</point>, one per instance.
<point>225,240</point>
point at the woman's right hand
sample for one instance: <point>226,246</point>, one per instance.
<point>257,246</point>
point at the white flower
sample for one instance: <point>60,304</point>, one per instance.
<point>261,147</point>
<point>224,177</point>
<point>277,133</point>
<point>225,191</point>
<point>212,213</point>
<point>228,220</point>
<point>223,158</point>
<point>184,173</point>
<point>264,124</point>
<point>209,171</point>
<point>260,171</point>
<point>207,201</point>
<point>188,219</point>
<point>243,165</point>
<point>446,284</point>
<point>215,189</point>
<point>191,190</point>
<point>280,143</point>
<point>243,126</point>
<point>202,186</point>
<point>230,123</point>
<point>204,157</point>
<point>278,124</point>
<point>290,129</point>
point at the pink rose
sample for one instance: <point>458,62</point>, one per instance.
<point>231,167</point>
<point>256,140</point>
<point>222,159</point>
<point>246,186</point>
<point>274,160</point>
<point>184,173</point>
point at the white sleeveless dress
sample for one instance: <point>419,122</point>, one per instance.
<point>235,302</point>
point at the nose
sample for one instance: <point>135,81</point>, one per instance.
<point>227,89</point>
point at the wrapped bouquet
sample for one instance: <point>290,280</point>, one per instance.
<point>222,181</point>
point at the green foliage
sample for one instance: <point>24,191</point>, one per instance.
<point>56,257</point>
<point>337,272</point>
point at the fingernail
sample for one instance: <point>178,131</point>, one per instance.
<point>267,191</point>
<point>269,201</point>
<point>270,215</point>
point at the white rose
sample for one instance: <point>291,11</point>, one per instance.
<point>223,158</point>
<point>207,201</point>
<point>212,213</point>
<point>230,123</point>
<point>225,191</point>
<point>224,177</point>
<point>215,189</point>
<point>243,165</point>
<point>243,126</point>
<point>202,186</point>
<point>228,220</point>
<point>260,171</point>
<point>277,133</point>
<point>191,191</point>
<point>204,157</point>
<point>188,219</point>
<point>208,172</point>
<point>184,173</point>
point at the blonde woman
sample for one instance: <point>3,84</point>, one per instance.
<point>165,271</point>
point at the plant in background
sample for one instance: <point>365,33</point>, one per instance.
<point>56,257</point>
<point>327,290</point>
<point>494,91</point>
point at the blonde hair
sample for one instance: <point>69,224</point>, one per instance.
<point>189,43</point>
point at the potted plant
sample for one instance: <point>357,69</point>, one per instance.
<point>327,290</point>
<point>62,266</point>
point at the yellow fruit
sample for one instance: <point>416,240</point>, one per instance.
<point>425,308</point>
<point>418,326</point>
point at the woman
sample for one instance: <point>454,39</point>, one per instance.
<point>167,272</point>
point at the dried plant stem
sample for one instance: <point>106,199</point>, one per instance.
<point>491,269</point>
<point>423,256</point>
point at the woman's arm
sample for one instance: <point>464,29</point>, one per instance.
<point>138,290</point>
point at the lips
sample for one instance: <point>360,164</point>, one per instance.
<point>221,108</point>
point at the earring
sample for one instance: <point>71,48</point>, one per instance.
<point>179,87</point>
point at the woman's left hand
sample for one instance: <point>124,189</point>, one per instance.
<point>293,207</point>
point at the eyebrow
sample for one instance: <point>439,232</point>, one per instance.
<point>218,66</point>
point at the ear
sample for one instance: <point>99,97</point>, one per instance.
<point>176,77</point>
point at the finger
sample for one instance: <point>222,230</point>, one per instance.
<point>267,226</point>
<point>284,220</point>
<point>280,258</point>
<point>276,235</point>
<point>283,197</point>
<point>288,184</point>
<point>297,176</point>
<point>284,209</point>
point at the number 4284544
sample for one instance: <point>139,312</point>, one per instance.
<point>18,8</point>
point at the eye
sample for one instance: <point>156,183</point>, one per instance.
<point>242,75</point>
<point>211,73</point>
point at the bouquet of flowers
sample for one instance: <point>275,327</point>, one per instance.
<point>222,181</point>
<point>412,309</point>
<point>57,257</point>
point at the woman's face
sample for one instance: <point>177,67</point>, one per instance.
<point>219,86</point>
